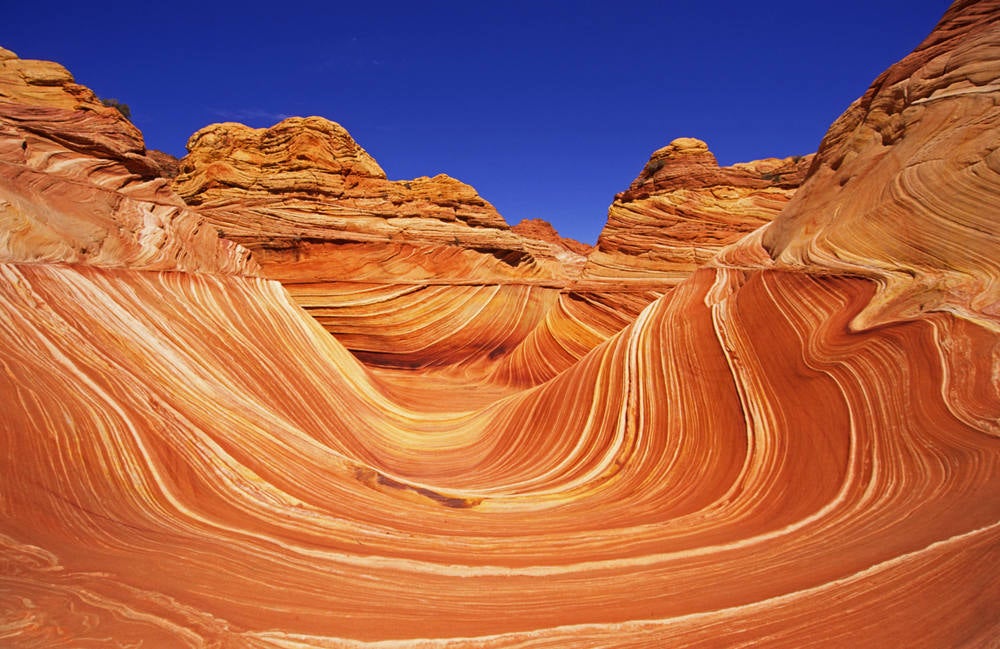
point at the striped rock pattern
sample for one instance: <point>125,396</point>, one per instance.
<point>416,273</point>
<point>905,184</point>
<point>783,450</point>
<point>682,209</point>
<point>76,185</point>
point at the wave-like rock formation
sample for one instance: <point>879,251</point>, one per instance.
<point>408,273</point>
<point>795,446</point>
<point>906,184</point>
<point>310,202</point>
<point>681,210</point>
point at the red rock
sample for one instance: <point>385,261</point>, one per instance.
<point>188,459</point>
<point>899,185</point>
<point>169,166</point>
<point>682,209</point>
<point>543,231</point>
<point>307,180</point>
<point>353,247</point>
<point>61,148</point>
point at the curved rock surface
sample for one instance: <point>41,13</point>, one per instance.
<point>903,183</point>
<point>682,209</point>
<point>296,192</point>
<point>76,185</point>
<point>189,459</point>
<point>415,273</point>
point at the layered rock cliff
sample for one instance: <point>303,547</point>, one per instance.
<point>297,192</point>
<point>903,188</point>
<point>680,211</point>
<point>683,208</point>
<point>77,186</point>
<point>407,273</point>
<point>778,452</point>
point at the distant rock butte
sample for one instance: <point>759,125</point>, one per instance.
<point>313,205</point>
<point>169,165</point>
<point>61,148</point>
<point>543,231</point>
<point>683,208</point>
<point>321,216</point>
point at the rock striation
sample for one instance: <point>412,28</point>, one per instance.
<point>683,208</point>
<point>784,449</point>
<point>902,183</point>
<point>410,273</point>
<point>61,148</point>
<point>290,191</point>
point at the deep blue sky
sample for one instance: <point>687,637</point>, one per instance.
<point>547,108</point>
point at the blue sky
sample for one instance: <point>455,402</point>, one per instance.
<point>547,108</point>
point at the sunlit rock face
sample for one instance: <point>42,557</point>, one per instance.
<point>190,459</point>
<point>906,183</point>
<point>76,184</point>
<point>683,208</point>
<point>311,203</point>
<point>415,273</point>
<point>680,211</point>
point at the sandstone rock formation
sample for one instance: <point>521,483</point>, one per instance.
<point>680,211</point>
<point>784,450</point>
<point>77,187</point>
<point>408,273</point>
<point>169,166</point>
<point>290,191</point>
<point>683,208</point>
<point>904,185</point>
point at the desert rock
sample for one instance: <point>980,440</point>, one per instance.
<point>783,449</point>
<point>60,149</point>
<point>404,273</point>
<point>683,208</point>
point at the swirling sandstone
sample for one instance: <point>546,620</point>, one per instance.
<point>905,181</point>
<point>189,459</point>
<point>416,273</point>
<point>680,211</point>
<point>76,185</point>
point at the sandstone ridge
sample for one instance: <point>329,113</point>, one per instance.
<point>352,246</point>
<point>900,180</point>
<point>61,148</point>
<point>306,180</point>
<point>683,208</point>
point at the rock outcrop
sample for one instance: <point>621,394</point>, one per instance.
<point>76,185</point>
<point>405,273</point>
<point>780,451</point>
<point>683,208</point>
<point>169,166</point>
<point>297,192</point>
<point>904,183</point>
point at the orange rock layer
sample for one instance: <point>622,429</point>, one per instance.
<point>296,192</point>
<point>682,209</point>
<point>418,273</point>
<point>77,186</point>
<point>190,459</point>
<point>905,183</point>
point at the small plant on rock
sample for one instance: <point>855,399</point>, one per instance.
<point>122,108</point>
